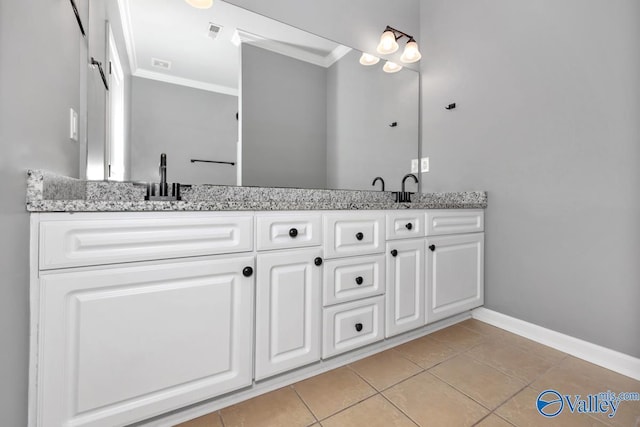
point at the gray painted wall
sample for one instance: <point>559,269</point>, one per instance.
<point>361,104</point>
<point>39,81</point>
<point>284,125</point>
<point>185,123</point>
<point>548,98</point>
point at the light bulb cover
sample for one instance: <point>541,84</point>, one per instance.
<point>391,67</point>
<point>200,4</point>
<point>388,43</point>
<point>411,53</point>
<point>368,59</point>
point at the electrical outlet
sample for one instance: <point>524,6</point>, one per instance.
<point>73,125</point>
<point>424,164</point>
<point>414,165</point>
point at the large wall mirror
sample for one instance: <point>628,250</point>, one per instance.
<point>235,98</point>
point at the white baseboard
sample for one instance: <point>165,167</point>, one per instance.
<point>601,356</point>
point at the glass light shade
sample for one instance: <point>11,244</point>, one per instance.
<point>200,4</point>
<point>367,59</point>
<point>391,67</point>
<point>388,43</point>
<point>411,53</point>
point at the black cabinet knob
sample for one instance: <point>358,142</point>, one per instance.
<point>359,280</point>
<point>409,226</point>
<point>432,247</point>
<point>247,271</point>
<point>293,232</point>
<point>359,236</point>
<point>358,327</point>
<point>317,261</point>
<point>394,252</point>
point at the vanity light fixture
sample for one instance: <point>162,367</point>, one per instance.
<point>368,59</point>
<point>389,44</point>
<point>411,52</point>
<point>391,67</point>
<point>200,4</point>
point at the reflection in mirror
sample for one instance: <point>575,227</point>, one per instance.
<point>310,115</point>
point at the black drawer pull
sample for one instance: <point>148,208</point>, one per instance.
<point>318,261</point>
<point>409,226</point>
<point>358,327</point>
<point>432,247</point>
<point>394,252</point>
<point>359,236</point>
<point>359,280</point>
<point>247,271</point>
<point>293,232</point>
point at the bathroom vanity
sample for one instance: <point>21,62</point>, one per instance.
<point>136,314</point>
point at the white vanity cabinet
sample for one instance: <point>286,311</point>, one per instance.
<point>288,291</point>
<point>455,262</point>
<point>137,314</point>
<point>118,343</point>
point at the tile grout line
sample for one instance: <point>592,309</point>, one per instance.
<point>392,385</point>
<point>399,409</point>
<point>348,407</point>
<point>219,411</point>
<point>305,405</point>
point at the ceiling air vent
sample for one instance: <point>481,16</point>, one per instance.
<point>161,63</point>
<point>214,30</point>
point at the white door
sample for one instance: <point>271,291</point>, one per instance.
<point>405,286</point>
<point>288,310</point>
<point>123,344</point>
<point>455,274</point>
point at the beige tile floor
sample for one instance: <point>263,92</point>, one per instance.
<point>470,374</point>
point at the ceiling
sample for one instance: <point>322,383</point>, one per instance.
<point>174,32</point>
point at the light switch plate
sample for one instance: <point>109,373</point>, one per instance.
<point>414,165</point>
<point>424,164</point>
<point>73,124</point>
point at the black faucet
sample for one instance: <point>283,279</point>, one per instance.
<point>378,178</point>
<point>163,187</point>
<point>405,196</point>
<point>404,180</point>
<point>164,190</point>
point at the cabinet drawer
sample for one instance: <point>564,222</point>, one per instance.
<point>353,233</point>
<point>352,325</point>
<point>405,224</point>
<point>353,278</point>
<point>288,231</point>
<point>454,221</point>
<point>95,240</point>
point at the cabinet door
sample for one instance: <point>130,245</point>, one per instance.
<point>405,286</point>
<point>455,274</point>
<point>121,344</point>
<point>288,310</point>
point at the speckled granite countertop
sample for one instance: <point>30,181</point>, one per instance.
<point>47,192</point>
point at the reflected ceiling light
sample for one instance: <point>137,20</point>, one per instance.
<point>389,44</point>
<point>391,67</point>
<point>200,4</point>
<point>367,59</point>
<point>411,52</point>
